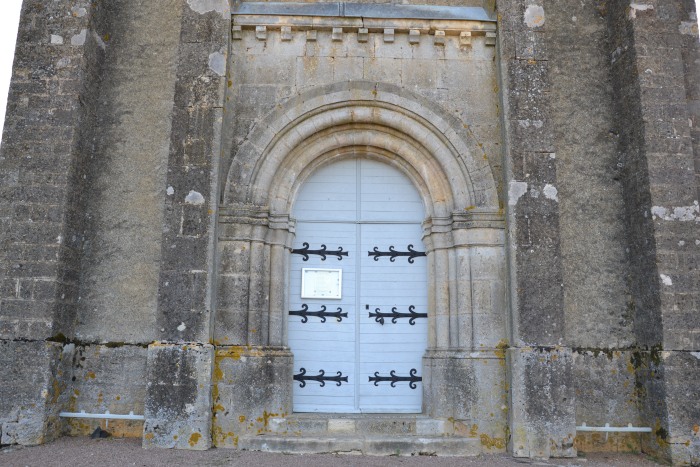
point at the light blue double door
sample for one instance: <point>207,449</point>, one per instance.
<point>358,328</point>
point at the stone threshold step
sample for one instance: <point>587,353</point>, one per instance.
<point>364,445</point>
<point>341,424</point>
<point>358,416</point>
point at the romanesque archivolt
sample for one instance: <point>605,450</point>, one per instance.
<point>423,139</point>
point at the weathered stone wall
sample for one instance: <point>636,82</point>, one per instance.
<point>99,378</point>
<point>86,208</point>
<point>178,398</point>
<point>598,309</point>
<point>50,108</point>
<point>651,62</point>
<point>188,245</point>
<point>596,299</point>
<point>31,375</point>
<point>124,175</point>
<point>690,48</point>
<point>607,391</point>
<point>612,85</point>
<point>41,147</point>
<point>542,415</point>
<point>684,368</point>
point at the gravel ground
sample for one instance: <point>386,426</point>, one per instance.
<point>79,452</point>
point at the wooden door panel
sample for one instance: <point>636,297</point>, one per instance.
<point>392,288</point>
<point>331,345</point>
<point>330,194</point>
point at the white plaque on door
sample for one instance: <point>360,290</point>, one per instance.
<point>321,283</point>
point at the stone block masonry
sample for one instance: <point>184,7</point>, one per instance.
<point>31,386</point>
<point>40,188</point>
<point>84,194</point>
<point>179,396</point>
<point>51,97</point>
<point>542,409</point>
<point>649,52</point>
<point>101,378</point>
<point>124,175</point>
<point>539,362</point>
<point>617,143</point>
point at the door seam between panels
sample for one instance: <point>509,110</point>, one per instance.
<point>358,277</point>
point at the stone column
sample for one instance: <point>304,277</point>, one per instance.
<point>252,367</point>
<point>464,377</point>
<point>542,417</point>
<point>655,67</point>
<point>178,399</point>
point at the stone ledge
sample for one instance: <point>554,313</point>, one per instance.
<point>365,445</point>
<point>464,31</point>
<point>439,21</point>
<point>320,424</point>
<point>362,10</point>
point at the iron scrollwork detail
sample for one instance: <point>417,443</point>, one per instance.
<point>394,315</point>
<point>305,313</point>
<point>412,379</point>
<point>393,254</point>
<point>323,252</point>
<point>339,379</point>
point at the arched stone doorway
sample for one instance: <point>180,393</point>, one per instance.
<point>464,374</point>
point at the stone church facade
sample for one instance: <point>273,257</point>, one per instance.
<point>178,176</point>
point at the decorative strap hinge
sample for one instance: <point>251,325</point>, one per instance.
<point>320,378</point>
<point>394,315</point>
<point>393,254</point>
<point>305,252</point>
<point>412,379</point>
<point>305,313</point>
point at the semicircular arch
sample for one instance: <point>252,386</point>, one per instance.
<point>417,136</point>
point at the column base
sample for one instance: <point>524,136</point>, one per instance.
<point>252,386</point>
<point>468,388</point>
<point>178,396</point>
<point>542,402</point>
<point>29,391</point>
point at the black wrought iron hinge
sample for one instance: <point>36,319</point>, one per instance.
<point>305,252</point>
<point>394,315</point>
<point>393,254</point>
<point>321,378</point>
<point>412,379</point>
<point>305,313</point>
